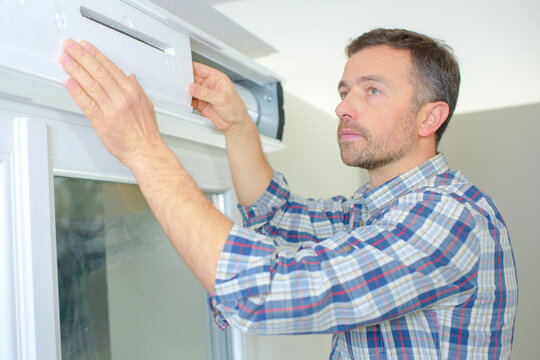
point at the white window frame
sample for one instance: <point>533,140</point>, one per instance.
<point>37,144</point>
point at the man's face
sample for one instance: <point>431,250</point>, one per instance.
<point>377,125</point>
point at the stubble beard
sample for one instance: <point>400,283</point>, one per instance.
<point>376,152</point>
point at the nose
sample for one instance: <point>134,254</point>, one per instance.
<point>344,109</point>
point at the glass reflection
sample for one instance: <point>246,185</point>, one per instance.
<point>124,292</point>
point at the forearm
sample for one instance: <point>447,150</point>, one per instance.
<point>251,172</point>
<point>215,97</point>
<point>125,121</point>
<point>194,226</point>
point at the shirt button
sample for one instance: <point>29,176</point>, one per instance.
<point>346,249</point>
<point>361,223</point>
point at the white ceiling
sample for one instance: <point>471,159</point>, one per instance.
<point>496,42</point>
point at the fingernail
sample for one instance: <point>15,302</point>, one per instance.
<point>69,43</point>
<point>70,83</point>
<point>195,89</point>
<point>87,46</point>
<point>66,59</point>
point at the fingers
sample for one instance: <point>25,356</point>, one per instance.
<point>93,78</point>
<point>89,107</point>
<point>216,98</point>
<point>210,85</point>
<point>205,71</point>
<point>108,65</point>
<point>210,77</point>
<point>208,95</point>
<point>88,92</point>
<point>103,81</point>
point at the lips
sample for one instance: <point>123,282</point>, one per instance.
<point>348,134</point>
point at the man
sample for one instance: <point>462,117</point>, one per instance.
<point>417,264</point>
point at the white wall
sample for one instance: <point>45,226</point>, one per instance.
<point>313,168</point>
<point>499,151</point>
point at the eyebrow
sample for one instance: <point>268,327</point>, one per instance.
<point>363,79</point>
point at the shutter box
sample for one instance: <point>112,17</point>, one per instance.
<point>143,38</point>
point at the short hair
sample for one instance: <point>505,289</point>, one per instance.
<point>435,67</point>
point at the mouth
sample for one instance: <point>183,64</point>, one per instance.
<point>348,134</point>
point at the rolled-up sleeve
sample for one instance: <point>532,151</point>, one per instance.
<point>294,219</point>
<point>268,204</point>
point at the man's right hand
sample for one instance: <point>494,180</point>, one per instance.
<point>215,97</point>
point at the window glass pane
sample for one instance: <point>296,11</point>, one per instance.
<point>124,292</point>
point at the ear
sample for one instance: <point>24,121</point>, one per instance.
<point>433,115</point>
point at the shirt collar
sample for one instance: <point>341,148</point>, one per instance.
<point>392,189</point>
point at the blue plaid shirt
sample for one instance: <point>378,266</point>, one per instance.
<point>418,268</point>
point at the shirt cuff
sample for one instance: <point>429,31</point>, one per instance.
<point>261,211</point>
<point>218,316</point>
<point>244,251</point>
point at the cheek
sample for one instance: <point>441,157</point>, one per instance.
<point>393,125</point>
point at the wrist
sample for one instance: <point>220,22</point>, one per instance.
<point>245,127</point>
<point>150,158</point>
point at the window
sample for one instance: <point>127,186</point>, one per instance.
<point>124,292</point>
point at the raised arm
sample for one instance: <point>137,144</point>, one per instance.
<point>216,98</point>
<point>124,119</point>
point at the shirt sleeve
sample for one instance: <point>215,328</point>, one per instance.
<point>293,219</point>
<point>417,254</point>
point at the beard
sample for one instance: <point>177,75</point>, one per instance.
<point>372,152</point>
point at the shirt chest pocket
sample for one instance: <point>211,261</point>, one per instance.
<point>375,342</point>
<point>365,343</point>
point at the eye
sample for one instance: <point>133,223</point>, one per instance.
<point>373,91</point>
<point>343,94</point>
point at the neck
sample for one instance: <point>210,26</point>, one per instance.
<point>389,171</point>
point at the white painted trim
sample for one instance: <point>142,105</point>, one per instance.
<point>35,147</point>
<point>191,128</point>
<point>8,325</point>
<point>33,245</point>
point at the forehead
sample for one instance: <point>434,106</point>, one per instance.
<point>391,64</point>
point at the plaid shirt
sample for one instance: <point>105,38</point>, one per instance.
<point>418,268</point>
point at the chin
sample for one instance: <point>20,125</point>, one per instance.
<point>365,161</point>
<point>352,160</point>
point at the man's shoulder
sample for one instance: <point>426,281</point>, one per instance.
<point>452,188</point>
